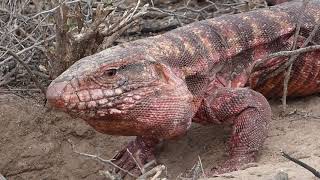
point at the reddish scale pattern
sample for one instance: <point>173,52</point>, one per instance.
<point>304,78</point>
<point>161,84</point>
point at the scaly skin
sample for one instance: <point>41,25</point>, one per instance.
<point>155,87</point>
<point>274,2</point>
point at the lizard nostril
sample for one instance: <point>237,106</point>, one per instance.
<point>54,94</point>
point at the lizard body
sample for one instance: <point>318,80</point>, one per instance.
<point>155,87</point>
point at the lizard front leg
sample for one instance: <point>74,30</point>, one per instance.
<point>136,154</point>
<point>157,118</point>
<point>249,114</point>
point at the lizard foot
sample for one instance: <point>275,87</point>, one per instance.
<point>250,116</point>
<point>135,156</point>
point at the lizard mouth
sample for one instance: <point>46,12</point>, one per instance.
<point>96,102</point>
<point>54,94</point>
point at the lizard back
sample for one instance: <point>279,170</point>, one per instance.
<point>218,52</point>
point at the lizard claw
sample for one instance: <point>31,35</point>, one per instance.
<point>133,158</point>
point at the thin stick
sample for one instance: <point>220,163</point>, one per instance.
<point>27,49</point>
<point>292,58</point>
<point>33,77</point>
<point>285,88</point>
<point>11,90</point>
<point>149,164</point>
<point>296,52</point>
<point>304,165</point>
<point>200,162</point>
<point>289,53</point>
<point>156,170</point>
<point>53,9</point>
<point>136,161</point>
<point>100,159</point>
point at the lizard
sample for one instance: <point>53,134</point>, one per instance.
<point>154,88</point>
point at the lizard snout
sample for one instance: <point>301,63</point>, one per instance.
<point>54,94</point>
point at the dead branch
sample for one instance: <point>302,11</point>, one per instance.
<point>22,35</point>
<point>304,165</point>
<point>8,77</point>
<point>53,9</point>
<point>96,157</point>
<point>288,64</point>
<point>135,159</point>
<point>154,173</point>
<point>303,49</point>
<point>201,167</point>
<point>288,53</point>
<point>28,49</point>
<point>292,58</point>
<point>33,77</point>
<point>19,90</point>
<point>110,176</point>
<point>87,37</point>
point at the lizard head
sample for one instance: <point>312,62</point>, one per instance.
<point>123,91</point>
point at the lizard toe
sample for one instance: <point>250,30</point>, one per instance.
<point>131,167</point>
<point>133,158</point>
<point>120,161</point>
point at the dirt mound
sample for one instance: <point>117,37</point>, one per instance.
<point>35,144</point>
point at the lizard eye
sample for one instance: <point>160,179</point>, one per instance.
<point>110,72</point>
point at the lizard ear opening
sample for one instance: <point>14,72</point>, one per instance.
<point>161,71</point>
<point>164,73</point>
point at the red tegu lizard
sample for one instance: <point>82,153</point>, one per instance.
<point>155,87</point>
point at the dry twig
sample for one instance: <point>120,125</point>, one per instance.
<point>135,159</point>
<point>33,77</point>
<point>88,36</point>
<point>293,53</point>
<point>292,58</point>
<point>28,49</point>
<point>287,53</point>
<point>96,157</point>
<point>154,173</point>
<point>304,165</point>
<point>23,34</point>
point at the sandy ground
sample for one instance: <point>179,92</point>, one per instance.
<point>35,144</point>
